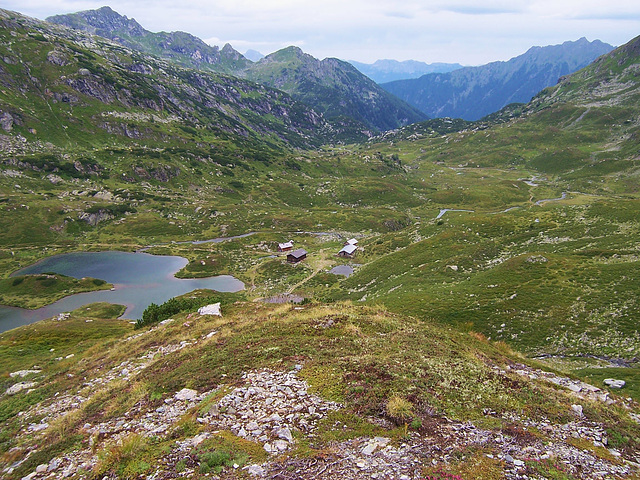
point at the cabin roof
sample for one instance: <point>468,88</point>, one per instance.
<point>349,249</point>
<point>301,252</point>
<point>352,241</point>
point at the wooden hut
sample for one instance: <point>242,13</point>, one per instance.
<point>285,247</point>
<point>348,251</point>
<point>297,255</point>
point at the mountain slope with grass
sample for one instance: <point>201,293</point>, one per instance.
<point>333,87</point>
<point>65,87</point>
<point>474,239</point>
<point>179,47</point>
<point>325,390</point>
<point>473,92</point>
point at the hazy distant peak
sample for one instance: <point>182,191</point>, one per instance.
<point>473,92</point>
<point>386,70</point>
<point>253,55</point>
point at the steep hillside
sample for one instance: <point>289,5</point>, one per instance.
<point>473,92</point>
<point>68,88</point>
<point>332,87</point>
<point>383,71</point>
<point>519,231</point>
<point>179,47</point>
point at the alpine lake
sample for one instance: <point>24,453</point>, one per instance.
<point>139,279</point>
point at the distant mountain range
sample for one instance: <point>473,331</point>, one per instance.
<point>473,92</point>
<point>383,71</point>
<point>343,93</point>
<point>332,87</point>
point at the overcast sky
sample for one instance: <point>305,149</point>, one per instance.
<point>469,32</point>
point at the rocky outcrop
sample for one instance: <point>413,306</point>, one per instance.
<point>72,68</point>
<point>94,218</point>
<point>180,47</point>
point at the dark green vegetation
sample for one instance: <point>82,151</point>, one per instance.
<point>156,313</point>
<point>539,248</point>
<point>473,92</point>
<point>34,291</point>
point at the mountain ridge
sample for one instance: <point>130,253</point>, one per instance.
<point>473,92</point>
<point>106,89</point>
<point>332,87</point>
<point>181,47</point>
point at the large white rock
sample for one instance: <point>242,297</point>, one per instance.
<point>186,394</point>
<point>23,373</point>
<point>213,309</point>
<point>256,470</point>
<point>613,383</point>
<point>18,387</point>
<point>285,434</point>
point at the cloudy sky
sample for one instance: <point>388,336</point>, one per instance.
<point>470,32</point>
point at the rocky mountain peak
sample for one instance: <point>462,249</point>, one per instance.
<point>179,47</point>
<point>100,21</point>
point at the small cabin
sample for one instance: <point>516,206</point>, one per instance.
<point>352,241</point>
<point>297,255</point>
<point>348,251</point>
<point>285,247</point>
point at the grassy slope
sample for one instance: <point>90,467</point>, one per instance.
<point>359,356</point>
<point>35,291</point>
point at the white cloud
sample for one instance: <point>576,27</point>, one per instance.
<point>462,31</point>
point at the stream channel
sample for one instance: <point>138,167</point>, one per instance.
<point>139,279</point>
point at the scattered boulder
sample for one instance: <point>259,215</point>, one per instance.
<point>18,387</point>
<point>23,373</point>
<point>186,394</point>
<point>613,383</point>
<point>6,121</point>
<point>374,444</point>
<point>213,309</point>
<point>256,470</point>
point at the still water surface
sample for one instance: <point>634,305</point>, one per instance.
<point>139,280</point>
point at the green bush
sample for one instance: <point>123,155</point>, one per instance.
<point>157,313</point>
<point>215,461</point>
